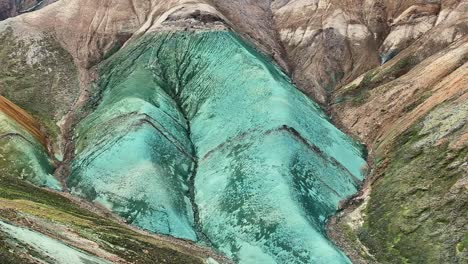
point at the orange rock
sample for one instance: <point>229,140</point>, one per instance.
<point>23,118</point>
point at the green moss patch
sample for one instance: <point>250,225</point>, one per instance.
<point>416,214</point>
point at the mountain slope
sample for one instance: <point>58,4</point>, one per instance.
<point>391,73</point>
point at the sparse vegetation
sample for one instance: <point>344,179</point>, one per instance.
<point>39,76</point>
<point>413,216</point>
<point>358,94</point>
<point>19,199</point>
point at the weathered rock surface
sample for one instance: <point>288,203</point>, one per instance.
<point>411,111</point>
<point>11,8</point>
<point>391,72</point>
<point>23,147</point>
<point>217,146</point>
<point>39,224</point>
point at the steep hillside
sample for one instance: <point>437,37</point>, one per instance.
<point>206,121</point>
<point>411,112</point>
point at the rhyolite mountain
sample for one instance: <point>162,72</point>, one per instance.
<point>267,131</point>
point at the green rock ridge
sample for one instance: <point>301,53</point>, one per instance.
<point>40,224</point>
<point>197,135</point>
<point>23,156</point>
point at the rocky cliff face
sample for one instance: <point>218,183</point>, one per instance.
<point>179,117</point>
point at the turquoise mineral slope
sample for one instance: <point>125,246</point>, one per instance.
<point>134,155</point>
<point>206,109</point>
<point>23,156</point>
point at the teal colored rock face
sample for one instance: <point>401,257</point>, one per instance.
<point>134,156</point>
<point>23,156</point>
<point>201,122</point>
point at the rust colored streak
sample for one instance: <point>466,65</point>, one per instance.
<point>23,118</point>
